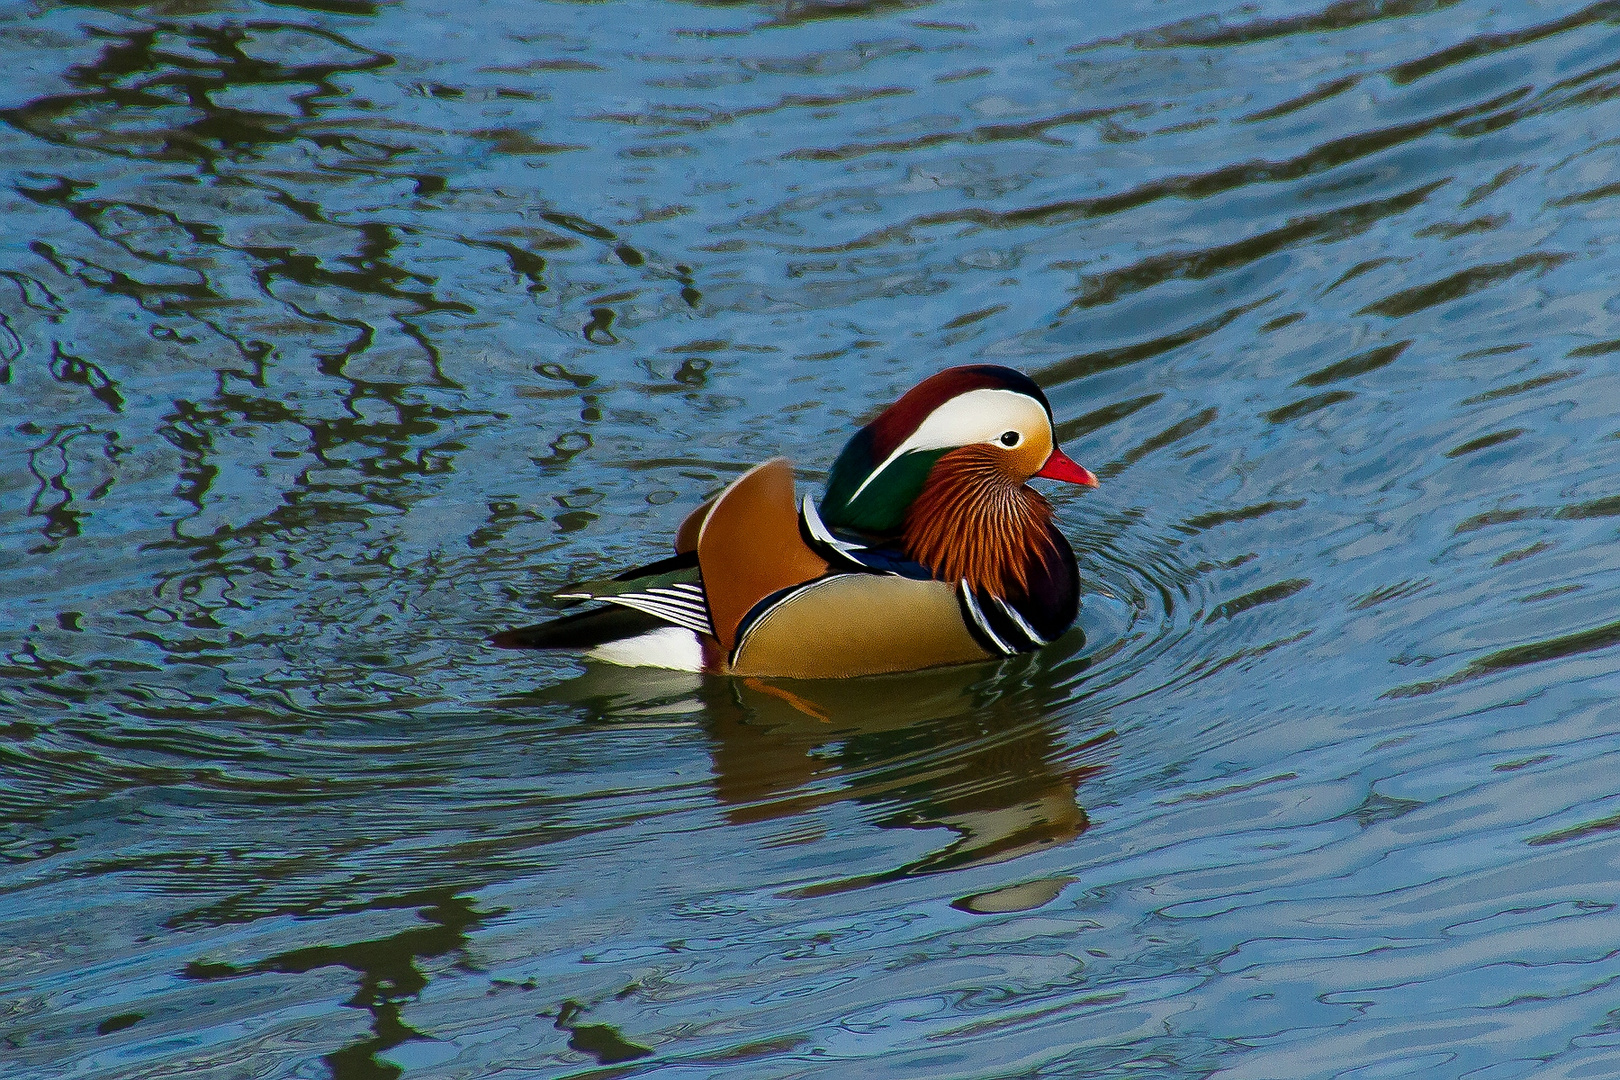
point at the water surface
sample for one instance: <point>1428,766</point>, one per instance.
<point>334,335</point>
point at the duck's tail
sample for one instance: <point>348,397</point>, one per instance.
<point>580,631</point>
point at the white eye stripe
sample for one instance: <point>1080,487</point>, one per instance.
<point>974,417</point>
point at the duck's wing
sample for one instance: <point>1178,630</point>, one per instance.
<point>670,589</point>
<point>668,592</point>
<point>686,537</point>
<point>749,547</point>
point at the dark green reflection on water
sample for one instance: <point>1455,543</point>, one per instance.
<point>602,1041</point>
<point>388,970</point>
<point>145,76</point>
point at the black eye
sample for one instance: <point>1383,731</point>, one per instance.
<point>1010,438</point>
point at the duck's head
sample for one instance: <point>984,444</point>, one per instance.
<point>997,416</point>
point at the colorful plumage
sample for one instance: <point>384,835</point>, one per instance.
<point>927,548</point>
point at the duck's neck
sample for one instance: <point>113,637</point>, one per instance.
<point>973,522</point>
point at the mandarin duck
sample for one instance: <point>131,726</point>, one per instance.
<point>927,549</point>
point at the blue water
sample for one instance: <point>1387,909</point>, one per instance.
<point>335,335</point>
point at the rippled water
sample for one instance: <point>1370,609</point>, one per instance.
<point>334,335</point>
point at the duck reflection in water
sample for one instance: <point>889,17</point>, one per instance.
<point>980,751</point>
